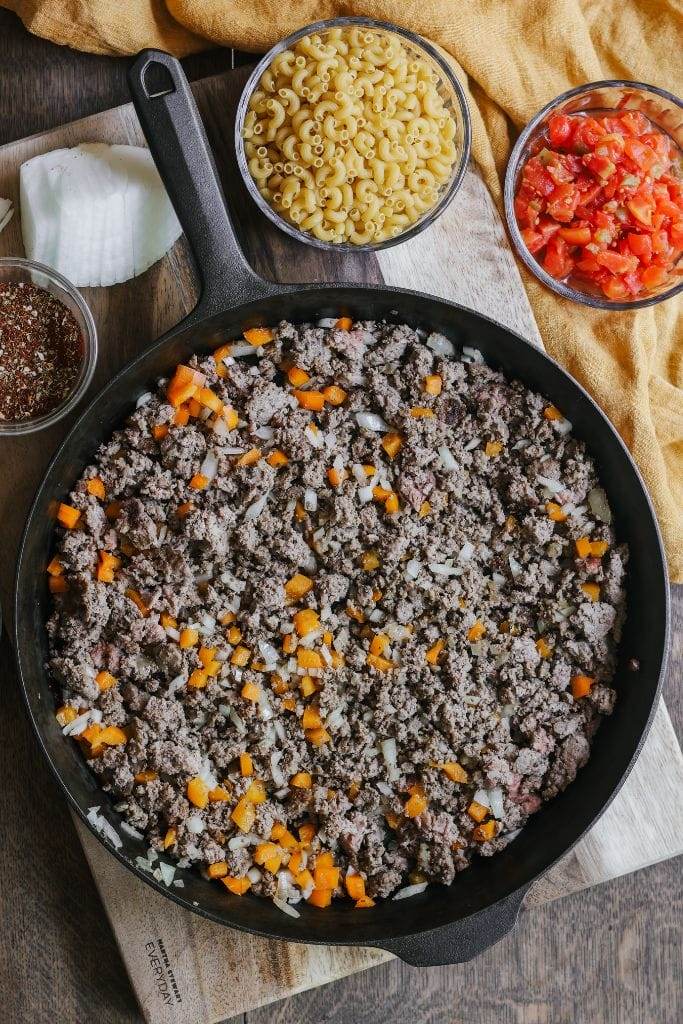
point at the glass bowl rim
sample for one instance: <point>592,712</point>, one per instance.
<point>566,291</point>
<point>430,216</point>
<point>30,426</point>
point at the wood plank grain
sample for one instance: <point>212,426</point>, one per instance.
<point>67,980</point>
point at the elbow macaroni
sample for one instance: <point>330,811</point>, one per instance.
<point>348,137</point>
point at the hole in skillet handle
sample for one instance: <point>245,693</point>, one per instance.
<point>157,80</point>
<point>461,941</point>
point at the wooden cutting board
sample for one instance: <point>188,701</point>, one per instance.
<point>184,969</point>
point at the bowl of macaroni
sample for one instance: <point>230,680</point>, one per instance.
<point>352,134</point>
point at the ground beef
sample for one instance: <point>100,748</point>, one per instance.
<point>446,636</point>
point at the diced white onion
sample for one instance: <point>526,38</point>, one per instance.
<point>242,348</point>
<point>466,551</point>
<point>79,724</point>
<point>562,426</point>
<point>327,322</point>
<point>471,355</point>
<point>315,437</point>
<point>447,460</point>
<point>237,721</point>
<point>310,500</point>
<point>365,494</point>
<point>167,872</point>
<point>498,578</point>
<point>241,842</point>
<point>336,718</point>
<point>371,421</point>
<point>597,502</point>
<point>410,890</point>
<point>359,473</point>
<point>143,399</point>
<point>384,788</point>
<point>275,770</point>
<point>125,827</point>
<point>285,907</point>
<point>554,486</point>
<point>176,684</point>
<point>195,824</point>
<point>254,875</point>
<point>482,797</point>
<point>256,508</point>
<point>265,432</point>
<point>496,802</point>
<point>515,567</point>
<point>442,569</point>
<point>440,345</point>
<point>472,444</point>
<point>413,568</point>
<point>209,466</point>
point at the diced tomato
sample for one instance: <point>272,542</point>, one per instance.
<point>560,130</point>
<point>557,260</point>
<point>537,178</point>
<point>652,277</point>
<point>634,122</point>
<point>576,236</point>
<point>615,288</point>
<point>616,263</point>
<point>563,202</point>
<point>641,208</point>
<point>600,199</point>
<point>640,246</point>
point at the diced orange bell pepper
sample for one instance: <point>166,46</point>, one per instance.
<point>146,776</point>
<point>320,898</point>
<point>318,737</point>
<point>364,902</point>
<point>555,512</point>
<point>250,691</point>
<point>105,680</point>
<point>95,486</point>
<point>298,586</point>
<point>432,655</point>
<point>309,659</point>
<point>581,686</point>
<point>344,323</point>
<point>277,458</point>
<point>355,886</point>
<point>591,590</point>
<point>543,647</point>
<point>312,400</point>
<point>493,448</point>
<point>138,601</point>
<point>415,805</point>
<point>433,384</point>
<point>583,547</point>
<point>217,870</point>
<point>244,815</point>
<point>237,886</point>
<point>334,395</point>
<point>218,795</point>
<point>170,838</point>
<point>453,771</point>
<point>240,657</point>
<point>258,336</point>
<point>246,765</point>
<point>477,811</point>
<point>297,377</point>
<point>256,793</point>
<point>306,833</point>
<point>551,412</point>
<point>198,792</point>
<point>476,631</point>
<point>302,780</point>
<point>67,515</point>
<point>57,584</point>
<point>419,412</point>
<point>484,832</point>
<point>392,444</point>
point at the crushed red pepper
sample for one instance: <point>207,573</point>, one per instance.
<point>41,352</point>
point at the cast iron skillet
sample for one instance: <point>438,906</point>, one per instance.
<point>442,925</point>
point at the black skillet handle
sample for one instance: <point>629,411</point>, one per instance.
<point>459,942</point>
<point>175,134</point>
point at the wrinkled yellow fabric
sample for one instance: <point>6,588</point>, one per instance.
<point>512,57</point>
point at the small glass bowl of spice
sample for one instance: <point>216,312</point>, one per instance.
<point>48,346</point>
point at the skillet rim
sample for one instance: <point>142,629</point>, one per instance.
<point>193,321</point>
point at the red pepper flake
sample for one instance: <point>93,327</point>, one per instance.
<point>41,352</point>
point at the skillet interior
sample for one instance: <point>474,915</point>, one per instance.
<point>559,824</point>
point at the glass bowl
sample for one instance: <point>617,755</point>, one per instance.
<point>14,270</point>
<point>449,89</point>
<point>661,107</point>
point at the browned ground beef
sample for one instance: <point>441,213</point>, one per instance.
<point>485,554</point>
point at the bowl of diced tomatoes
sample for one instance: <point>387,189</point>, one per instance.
<point>594,195</point>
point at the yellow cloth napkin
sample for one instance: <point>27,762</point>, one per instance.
<point>512,57</point>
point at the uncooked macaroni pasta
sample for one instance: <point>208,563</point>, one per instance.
<point>348,137</point>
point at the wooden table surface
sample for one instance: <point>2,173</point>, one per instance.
<point>607,956</point>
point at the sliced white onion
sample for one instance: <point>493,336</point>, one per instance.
<point>599,506</point>
<point>371,421</point>
<point>256,508</point>
<point>79,724</point>
<point>447,460</point>
<point>310,500</point>
<point>472,444</point>
<point>440,344</point>
<point>410,890</point>
<point>98,214</point>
